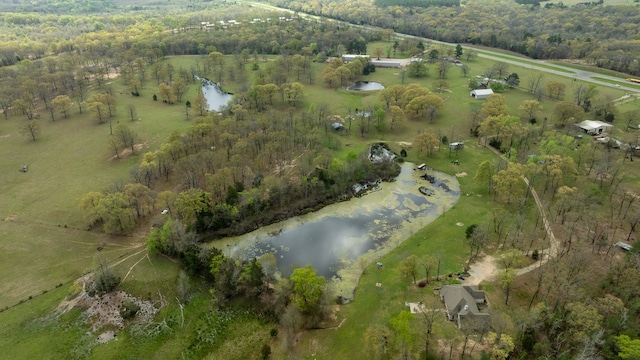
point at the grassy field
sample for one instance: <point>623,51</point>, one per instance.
<point>44,243</point>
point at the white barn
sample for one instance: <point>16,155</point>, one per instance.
<point>479,94</point>
<point>594,127</point>
<point>386,63</point>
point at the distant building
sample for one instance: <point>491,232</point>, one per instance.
<point>594,127</point>
<point>480,94</point>
<point>350,57</point>
<point>386,64</point>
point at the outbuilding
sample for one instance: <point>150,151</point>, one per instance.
<point>350,57</point>
<point>480,94</point>
<point>594,127</point>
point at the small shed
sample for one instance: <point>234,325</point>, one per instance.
<point>594,127</point>
<point>479,94</point>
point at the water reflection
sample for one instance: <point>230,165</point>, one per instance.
<point>216,98</point>
<point>333,238</point>
<point>365,86</point>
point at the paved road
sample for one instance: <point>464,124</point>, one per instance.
<point>540,65</point>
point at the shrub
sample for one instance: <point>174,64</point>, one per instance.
<point>129,309</point>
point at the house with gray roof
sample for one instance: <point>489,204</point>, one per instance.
<point>461,303</point>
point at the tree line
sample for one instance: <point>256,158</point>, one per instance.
<point>600,35</point>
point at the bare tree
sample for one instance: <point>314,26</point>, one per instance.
<point>31,128</point>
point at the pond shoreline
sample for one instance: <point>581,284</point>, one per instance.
<point>341,238</point>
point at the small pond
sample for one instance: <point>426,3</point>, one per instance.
<point>333,238</point>
<point>217,99</point>
<point>365,86</point>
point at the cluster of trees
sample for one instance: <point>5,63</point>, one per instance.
<point>114,40</point>
<point>338,74</point>
<point>300,301</point>
<point>573,308</point>
<point>413,101</point>
<point>579,31</point>
<point>420,3</point>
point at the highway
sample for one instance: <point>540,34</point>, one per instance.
<point>540,65</point>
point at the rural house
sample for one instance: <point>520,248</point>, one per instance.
<point>461,303</point>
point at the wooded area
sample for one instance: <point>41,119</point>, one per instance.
<point>602,36</point>
<point>271,154</point>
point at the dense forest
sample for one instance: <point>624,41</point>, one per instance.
<point>604,36</point>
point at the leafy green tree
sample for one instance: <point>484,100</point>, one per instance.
<point>485,173</point>
<point>502,345</point>
<point>89,205</point>
<point>508,183</point>
<point>458,52</point>
<point>308,289</point>
<point>192,202</point>
<point>628,349</point>
<point>116,213</point>
<point>179,87</point>
<point>252,279</point>
<point>530,109</point>
<point>426,143</point>
<point>62,103</point>
<point>513,80</point>
<point>408,267</point>
<point>433,55</point>
<point>417,69</point>
<point>400,324</point>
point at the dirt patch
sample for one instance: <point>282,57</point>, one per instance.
<point>5,136</point>
<point>462,174</point>
<point>11,218</point>
<point>405,143</point>
<point>126,152</point>
<point>482,270</point>
<point>104,311</point>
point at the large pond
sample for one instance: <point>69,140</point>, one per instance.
<point>217,99</point>
<point>333,238</point>
<point>366,86</point>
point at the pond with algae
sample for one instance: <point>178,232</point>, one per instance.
<point>333,238</point>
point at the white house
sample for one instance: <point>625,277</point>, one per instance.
<point>594,127</point>
<point>480,93</point>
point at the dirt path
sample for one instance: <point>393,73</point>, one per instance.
<point>486,268</point>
